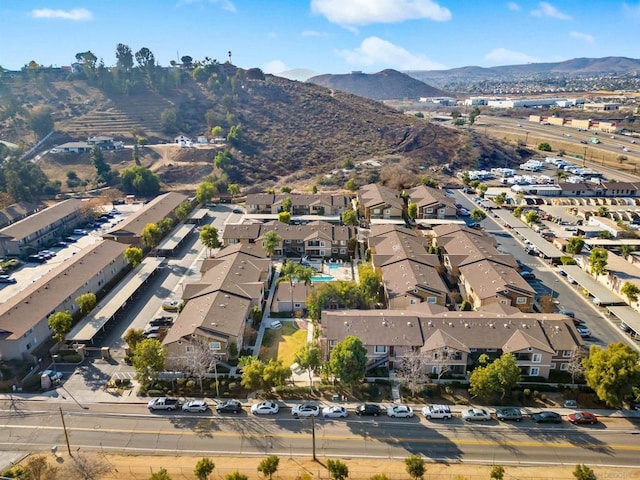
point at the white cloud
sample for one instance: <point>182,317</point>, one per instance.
<point>549,11</point>
<point>631,10</point>
<point>77,14</point>
<point>503,56</point>
<point>362,12</point>
<point>376,51</point>
<point>275,67</point>
<point>585,37</point>
<point>513,6</point>
<point>313,33</point>
<point>224,4</point>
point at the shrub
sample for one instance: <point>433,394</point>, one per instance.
<point>527,392</point>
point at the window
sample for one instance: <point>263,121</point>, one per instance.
<point>376,211</point>
<point>566,353</point>
<point>521,300</point>
<point>380,349</point>
<point>215,346</point>
<point>432,299</point>
<point>190,349</point>
<point>334,250</point>
<point>191,362</point>
<point>536,358</point>
<point>473,350</point>
<point>534,371</point>
<point>564,366</point>
<point>296,305</point>
<point>333,343</point>
<point>492,349</point>
<point>553,366</point>
<point>429,210</point>
<point>413,301</point>
<point>343,242</point>
<point>287,241</point>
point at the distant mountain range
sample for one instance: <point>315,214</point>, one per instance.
<point>384,85</point>
<point>573,67</point>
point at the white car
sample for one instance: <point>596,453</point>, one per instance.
<point>265,408</point>
<point>334,412</point>
<point>195,406</point>
<point>400,411</point>
<point>476,415</point>
<point>275,325</point>
<point>437,411</point>
<point>305,410</point>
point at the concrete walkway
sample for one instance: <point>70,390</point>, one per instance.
<point>266,319</point>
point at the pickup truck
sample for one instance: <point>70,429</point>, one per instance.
<point>163,403</point>
<point>437,411</point>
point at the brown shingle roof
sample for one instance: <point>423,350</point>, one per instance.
<point>43,218</point>
<point>373,194</point>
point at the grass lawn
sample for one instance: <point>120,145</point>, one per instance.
<point>282,344</point>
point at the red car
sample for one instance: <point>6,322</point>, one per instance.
<point>582,417</point>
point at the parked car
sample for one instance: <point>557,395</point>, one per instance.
<point>400,411</point>
<point>476,415</point>
<point>546,417</point>
<point>528,275</point>
<point>577,322</point>
<point>368,409</point>
<point>70,240</point>
<point>568,313</point>
<point>334,412</point>
<point>155,329</point>
<point>79,231</point>
<point>237,210</point>
<point>265,408</point>
<point>7,279</point>
<point>36,258</point>
<point>275,325</point>
<point>305,410</point>
<point>161,322</point>
<point>170,305</point>
<point>53,375</point>
<point>437,411</point>
<point>584,331</point>
<point>163,403</point>
<point>195,406</point>
<point>230,406</point>
<point>60,244</point>
<point>579,418</point>
<point>570,404</point>
<point>509,413</point>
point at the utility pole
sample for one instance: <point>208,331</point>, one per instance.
<point>66,435</point>
<point>313,436</point>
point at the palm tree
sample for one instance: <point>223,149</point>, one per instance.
<point>289,272</point>
<point>561,175</point>
<point>626,250</point>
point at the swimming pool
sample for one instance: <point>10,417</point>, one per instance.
<point>333,266</point>
<point>322,278</point>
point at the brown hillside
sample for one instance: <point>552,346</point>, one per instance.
<point>287,128</point>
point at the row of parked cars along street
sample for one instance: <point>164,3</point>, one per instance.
<point>430,412</point>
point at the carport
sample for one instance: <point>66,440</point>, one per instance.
<point>174,240</point>
<point>198,216</point>
<point>114,302</point>
<point>586,281</point>
<point>518,226</point>
<point>629,319</point>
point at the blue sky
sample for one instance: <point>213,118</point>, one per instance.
<point>326,36</point>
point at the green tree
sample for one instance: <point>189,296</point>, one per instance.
<point>631,291</point>
<point>86,302</point>
<point>161,474</point>
<point>473,114</point>
<point>285,189</point>
<point>103,170</point>
<point>531,217</point>
<point>497,472</point>
<point>500,376</point>
<point>517,212</point>
<point>204,467</point>
<point>582,472</point>
<point>414,465</point>
<point>217,132</point>
<point>233,189</point>
<point>341,294</point>
<point>482,188</point>
<point>236,476</point>
<point>466,306</point>
<point>133,255</point>
<point>612,372</point>
<point>209,237</point>
<point>268,466</point>
<point>40,121</point>
<point>574,245</point>
<point>337,469</point>
<point>235,135</point>
<point>603,211</point>
<point>351,185</point>
<point>165,225</point>
<point>544,147</point>
<point>151,235</point>
<point>428,181</point>
<point>348,361</point>
<point>605,235</point>
<point>284,217</point>
<point>124,57</point>
<point>598,261</point>
<point>500,199</point>
<point>309,358</point>
<point>133,337</point>
<point>252,373</point>
<point>140,180</point>
<point>271,242</point>
<point>149,360</point>
<point>169,120</point>
<point>275,374</point>
<point>412,210</point>
<point>350,217</point>
<point>478,215</point>
<point>222,159</point>
<point>287,204</point>
<point>379,476</point>
<point>626,250</point>
<point>370,283</point>
<point>60,323</point>
<point>561,175</point>
<point>183,210</point>
<point>205,192</point>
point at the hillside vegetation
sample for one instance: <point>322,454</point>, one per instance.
<point>279,127</point>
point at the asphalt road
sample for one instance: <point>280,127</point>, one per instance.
<point>134,430</point>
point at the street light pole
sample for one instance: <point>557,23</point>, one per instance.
<point>313,436</point>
